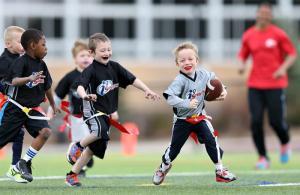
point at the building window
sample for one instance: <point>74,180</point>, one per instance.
<point>248,2</point>
<point>112,27</point>
<point>179,28</point>
<point>234,28</point>
<point>52,27</point>
<point>179,1</point>
<point>296,2</point>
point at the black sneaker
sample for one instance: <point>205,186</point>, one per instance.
<point>25,169</point>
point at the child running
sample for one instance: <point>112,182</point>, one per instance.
<point>31,80</point>
<point>13,50</point>
<point>78,130</point>
<point>186,96</point>
<point>98,87</point>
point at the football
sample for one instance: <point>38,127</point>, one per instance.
<point>214,88</point>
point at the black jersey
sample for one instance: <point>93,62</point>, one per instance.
<point>6,60</point>
<point>32,93</point>
<point>67,86</point>
<point>104,81</point>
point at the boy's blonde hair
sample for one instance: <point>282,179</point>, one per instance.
<point>9,32</point>
<point>95,38</point>
<point>185,45</point>
<point>79,45</point>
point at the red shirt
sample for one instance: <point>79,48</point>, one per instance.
<point>268,49</point>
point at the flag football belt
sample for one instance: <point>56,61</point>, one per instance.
<point>195,119</point>
<point>113,122</point>
<point>27,110</point>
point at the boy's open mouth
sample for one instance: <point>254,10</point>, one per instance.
<point>105,58</point>
<point>188,67</point>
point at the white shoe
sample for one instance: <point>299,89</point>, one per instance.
<point>14,175</point>
<point>160,175</point>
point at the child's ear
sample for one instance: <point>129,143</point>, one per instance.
<point>32,45</point>
<point>7,44</point>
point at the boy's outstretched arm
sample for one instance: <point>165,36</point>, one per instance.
<point>89,97</point>
<point>18,81</point>
<point>49,96</point>
<point>142,86</point>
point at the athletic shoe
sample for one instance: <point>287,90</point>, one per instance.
<point>72,180</point>
<point>160,175</point>
<point>224,176</point>
<point>24,168</point>
<point>285,153</point>
<point>14,175</point>
<point>263,163</point>
<point>73,154</point>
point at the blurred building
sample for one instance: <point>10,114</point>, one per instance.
<point>143,29</point>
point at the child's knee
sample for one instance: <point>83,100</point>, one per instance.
<point>45,133</point>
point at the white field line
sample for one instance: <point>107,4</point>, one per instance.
<point>279,184</point>
<point>266,172</point>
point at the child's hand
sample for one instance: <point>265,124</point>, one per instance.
<point>55,110</point>
<point>37,77</point>
<point>194,103</point>
<point>151,95</point>
<point>90,97</point>
<point>223,95</point>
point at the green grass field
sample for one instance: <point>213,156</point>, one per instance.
<point>191,174</point>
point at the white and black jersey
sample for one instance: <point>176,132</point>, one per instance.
<point>104,81</point>
<point>32,94</point>
<point>184,88</point>
<point>67,86</point>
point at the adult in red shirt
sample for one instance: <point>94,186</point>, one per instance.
<point>272,55</point>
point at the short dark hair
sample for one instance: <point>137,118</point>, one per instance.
<point>29,36</point>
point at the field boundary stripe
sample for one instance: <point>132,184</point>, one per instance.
<point>279,184</point>
<point>206,173</point>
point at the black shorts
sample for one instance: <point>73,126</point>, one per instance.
<point>13,119</point>
<point>100,127</point>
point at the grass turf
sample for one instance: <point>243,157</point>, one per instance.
<point>191,174</point>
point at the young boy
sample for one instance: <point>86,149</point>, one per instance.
<point>186,96</point>
<point>31,80</point>
<point>13,50</point>
<point>82,59</point>
<point>99,87</point>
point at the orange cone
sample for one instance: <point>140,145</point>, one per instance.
<point>2,153</point>
<point>129,141</point>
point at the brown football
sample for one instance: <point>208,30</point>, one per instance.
<point>213,90</point>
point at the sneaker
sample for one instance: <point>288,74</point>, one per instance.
<point>263,163</point>
<point>72,180</point>
<point>160,175</point>
<point>224,176</point>
<point>14,175</point>
<point>73,154</point>
<point>24,168</point>
<point>285,153</point>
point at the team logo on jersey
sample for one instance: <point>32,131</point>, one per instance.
<point>32,84</point>
<point>192,93</point>
<point>270,43</point>
<point>106,86</point>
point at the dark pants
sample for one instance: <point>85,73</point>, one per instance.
<point>17,147</point>
<point>274,101</point>
<point>180,134</point>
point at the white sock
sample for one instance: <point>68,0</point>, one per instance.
<point>31,152</point>
<point>164,166</point>
<point>219,166</point>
